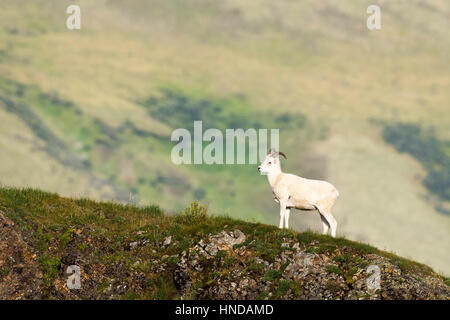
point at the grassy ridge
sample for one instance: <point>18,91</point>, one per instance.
<point>63,231</point>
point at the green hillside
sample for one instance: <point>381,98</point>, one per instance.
<point>129,252</point>
<point>89,113</point>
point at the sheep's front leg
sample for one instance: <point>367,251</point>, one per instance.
<point>283,215</point>
<point>286,218</point>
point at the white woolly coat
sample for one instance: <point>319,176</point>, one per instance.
<point>303,194</point>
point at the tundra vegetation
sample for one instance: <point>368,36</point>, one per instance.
<point>130,252</point>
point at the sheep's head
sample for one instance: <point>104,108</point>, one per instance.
<point>271,163</point>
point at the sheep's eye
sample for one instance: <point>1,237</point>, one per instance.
<point>270,162</point>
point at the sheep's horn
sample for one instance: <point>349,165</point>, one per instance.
<point>279,152</point>
<point>271,151</point>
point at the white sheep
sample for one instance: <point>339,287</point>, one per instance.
<point>292,191</point>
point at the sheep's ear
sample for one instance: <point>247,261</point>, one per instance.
<point>279,152</point>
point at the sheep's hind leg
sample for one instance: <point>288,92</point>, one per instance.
<point>325,224</point>
<point>332,223</point>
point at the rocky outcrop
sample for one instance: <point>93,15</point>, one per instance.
<point>229,264</point>
<point>294,274</point>
<point>190,261</point>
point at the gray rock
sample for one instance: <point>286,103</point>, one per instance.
<point>167,241</point>
<point>134,244</point>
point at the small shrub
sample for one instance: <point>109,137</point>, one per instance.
<point>173,261</point>
<point>50,267</point>
<point>194,214</point>
<point>229,261</point>
<point>283,288</point>
<point>344,258</point>
<point>257,268</point>
<point>334,269</point>
<point>263,295</point>
<point>4,271</point>
<point>66,237</point>
<point>183,244</point>
<point>82,246</point>
<point>272,275</point>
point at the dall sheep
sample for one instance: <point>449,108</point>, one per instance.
<point>292,191</point>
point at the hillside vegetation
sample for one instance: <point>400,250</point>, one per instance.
<point>127,252</point>
<point>89,113</point>
<point>433,153</point>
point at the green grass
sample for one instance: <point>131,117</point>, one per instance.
<point>334,269</point>
<point>447,281</point>
<point>50,267</point>
<point>100,232</point>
